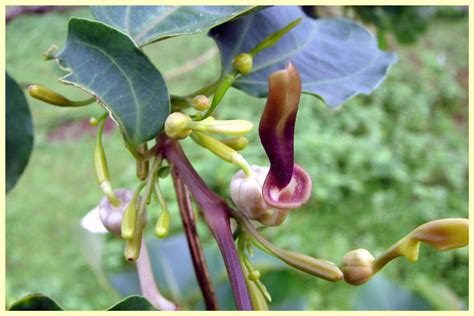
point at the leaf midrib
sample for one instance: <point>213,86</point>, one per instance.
<point>135,99</point>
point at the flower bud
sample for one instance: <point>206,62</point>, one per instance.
<point>176,125</point>
<point>243,63</point>
<point>101,168</point>
<point>162,224</point>
<point>254,275</point>
<point>236,143</point>
<point>357,266</point>
<point>93,121</point>
<point>246,192</point>
<point>51,97</point>
<point>47,95</point>
<point>110,216</point>
<point>200,103</point>
<point>227,127</point>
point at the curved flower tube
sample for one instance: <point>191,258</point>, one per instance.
<point>287,185</point>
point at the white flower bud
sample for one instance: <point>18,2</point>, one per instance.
<point>246,192</point>
<point>357,266</point>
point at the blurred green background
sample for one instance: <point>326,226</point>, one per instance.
<point>381,165</point>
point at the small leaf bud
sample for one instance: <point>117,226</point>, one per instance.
<point>357,266</point>
<point>93,121</point>
<point>243,63</point>
<point>254,275</point>
<point>200,103</point>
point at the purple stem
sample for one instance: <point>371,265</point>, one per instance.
<point>216,213</point>
<point>194,243</point>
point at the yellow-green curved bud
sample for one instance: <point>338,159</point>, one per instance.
<point>176,125</point>
<point>162,224</point>
<point>129,220</point>
<point>200,102</point>
<point>357,266</point>
<point>133,245</point>
<point>222,151</point>
<point>51,97</point>
<point>227,127</point>
<point>102,174</point>
<point>236,143</point>
<point>243,63</point>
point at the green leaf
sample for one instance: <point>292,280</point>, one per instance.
<point>36,302</point>
<point>132,303</point>
<point>19,132</point>
<point>148,24</point>
<point>337,59</point>
<point>40,302</point>
<point>107,64</point>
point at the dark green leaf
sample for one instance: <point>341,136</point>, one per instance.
<point>133,303</point>
<point>337,58</point>
<point>382,294</point>
<point>148,24</point>
<point>36,302</point>
<point>19,132</point>
<point>107,64</point>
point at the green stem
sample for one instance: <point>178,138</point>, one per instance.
<point>221,89</point>
<point>317,267</point>
<point>179,103</point>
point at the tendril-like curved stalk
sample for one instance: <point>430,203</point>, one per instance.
<point>317,267</point>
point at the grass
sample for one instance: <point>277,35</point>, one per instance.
<point>381,165</point>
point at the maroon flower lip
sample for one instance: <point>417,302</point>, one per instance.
<point>287,185</point>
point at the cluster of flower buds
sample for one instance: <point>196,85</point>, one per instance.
<point>179,125</point>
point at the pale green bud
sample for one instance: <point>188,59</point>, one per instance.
<point>200,103</point>
<point>243,63</point>
<point>176,125</point>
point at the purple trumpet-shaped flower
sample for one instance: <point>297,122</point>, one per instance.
<point>287,185</point>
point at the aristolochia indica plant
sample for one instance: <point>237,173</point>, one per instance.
<point>276,53</point>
